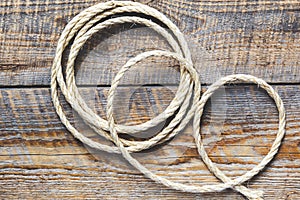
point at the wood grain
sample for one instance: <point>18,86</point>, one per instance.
<point>255,37</point>
<point>40,159</point>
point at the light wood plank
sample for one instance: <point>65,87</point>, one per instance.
<point>39,158</point>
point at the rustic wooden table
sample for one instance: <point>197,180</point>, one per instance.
<point>40,159</point>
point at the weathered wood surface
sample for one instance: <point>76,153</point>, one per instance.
<point>39,158</point>
<point>256,37</point>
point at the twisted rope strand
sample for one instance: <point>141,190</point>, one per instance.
<point>274,149</point>
<point>70,90</point>
<point>98,123</point>
<point>228,183</point>
<point>82,27</point>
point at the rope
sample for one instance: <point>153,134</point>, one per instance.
<point>187,102</point>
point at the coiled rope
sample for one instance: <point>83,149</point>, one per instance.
<point>95,19</point>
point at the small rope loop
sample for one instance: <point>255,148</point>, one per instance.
<point>274,149</point>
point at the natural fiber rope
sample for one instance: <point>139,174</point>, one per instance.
<point>274,149</point>
<point>82,27</point>
<point>70,90</point>
<point>97,123</point>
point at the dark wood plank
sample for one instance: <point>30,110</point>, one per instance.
<point>255,37</point>
<point>40,159</point>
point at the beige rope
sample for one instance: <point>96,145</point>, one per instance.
<point>70,90</point>
<point>82,27</point>
<point>97,123</point>
<point>274,149</point>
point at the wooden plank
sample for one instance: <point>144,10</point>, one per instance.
<point>40,159</point>
<point>254,37</point>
